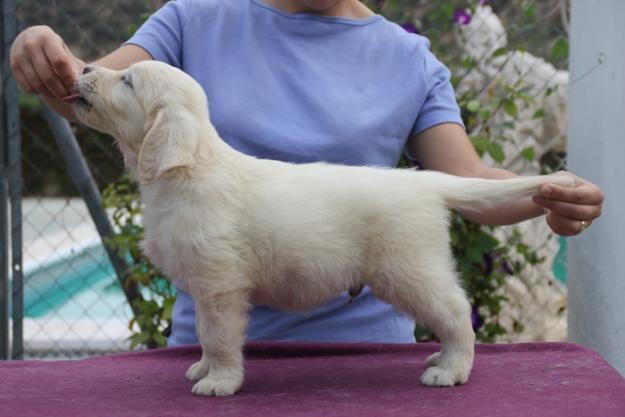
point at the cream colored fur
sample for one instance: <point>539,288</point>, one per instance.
<point>234,230</point>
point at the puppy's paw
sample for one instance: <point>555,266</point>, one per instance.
<point>197,371</point>
<point>442,373</point>
<point>438,377</point>
<point>433,359</point>
<point>219,384</point>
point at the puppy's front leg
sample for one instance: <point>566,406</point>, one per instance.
<point>200,368</point>
<point>222,320</point>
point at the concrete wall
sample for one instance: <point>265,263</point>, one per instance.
<point>596,146</point>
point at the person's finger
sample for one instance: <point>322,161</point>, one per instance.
<point>22,81</point>
<point>38,86</point>
<point>565,226</point>
<point>570,210</point>
<point>582,194</point>
<point>48,76</point>
<point>62,62</point>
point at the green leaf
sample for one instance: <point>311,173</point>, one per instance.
<point>480,143</point>
<point>30,102</point>
<point>529,11</point>
<point>137,339</point>
<point>132,28</point>
<point>468,63</point>
<point>496,152</point>
<point>448,10</point>
<point>525,97</point>
<point>167,308</point>
<point>528,153</point>
<point>160,340</point>
<point>509,106</point>
<point>522,248</point>
<point>500,52</point>
<point>539,114</point>
<point>560,49</point>
<point>473,106</point>
<point>506,125</point>
<point>475,254</point>
<point>487,243</point>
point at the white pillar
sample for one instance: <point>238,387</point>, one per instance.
<point>596,151</point>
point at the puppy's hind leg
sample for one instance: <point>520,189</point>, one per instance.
<point>434,298</point>
<point>452,324</point>
<point>222,321</point>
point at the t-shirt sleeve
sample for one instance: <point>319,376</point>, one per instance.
<point>440,105</point>
<point>161,34</point>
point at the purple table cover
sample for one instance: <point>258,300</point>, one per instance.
<point>294,379</point>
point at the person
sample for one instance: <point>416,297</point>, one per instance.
<point>303,81</point>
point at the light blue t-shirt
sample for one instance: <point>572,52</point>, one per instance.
<point>304,88</point>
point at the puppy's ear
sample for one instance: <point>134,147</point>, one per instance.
<point>170,143</point>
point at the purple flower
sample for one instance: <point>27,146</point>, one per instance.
<point>507,268</point>
<point>462,16</point>
<point>476,320</point>
<point>488,264</point>
<point>410,27</point>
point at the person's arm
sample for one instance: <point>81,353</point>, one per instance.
<point>447,148</point>
<point>42,64</point>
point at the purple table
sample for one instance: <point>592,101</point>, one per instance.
<point>286,379</point>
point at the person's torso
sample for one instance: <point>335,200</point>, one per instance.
<point>305,87</point>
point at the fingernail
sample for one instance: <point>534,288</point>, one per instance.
<point>546,190</point>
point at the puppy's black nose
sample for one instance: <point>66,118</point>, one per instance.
<point>87,70</point>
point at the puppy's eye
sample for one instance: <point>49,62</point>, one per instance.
<point>127,79</point>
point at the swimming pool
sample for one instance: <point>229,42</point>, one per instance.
<point>74,306</point>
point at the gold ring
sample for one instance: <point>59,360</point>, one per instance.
<point>583,225</point>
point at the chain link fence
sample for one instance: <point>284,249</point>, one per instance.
<point>73,305</point>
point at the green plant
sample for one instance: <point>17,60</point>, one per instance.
<point>155,307</point>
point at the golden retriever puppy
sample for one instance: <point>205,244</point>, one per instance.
<point>234,230</point>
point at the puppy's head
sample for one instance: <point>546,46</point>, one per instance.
<point>155,112</point>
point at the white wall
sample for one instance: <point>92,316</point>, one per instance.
<point>596,151</point>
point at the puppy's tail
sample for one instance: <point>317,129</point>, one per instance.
<point>477,193</point>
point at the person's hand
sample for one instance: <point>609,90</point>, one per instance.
<point>42,64</point>
<point>570,210</point>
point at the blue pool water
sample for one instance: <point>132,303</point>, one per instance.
<point>560,261</point>
<point>72,286</point>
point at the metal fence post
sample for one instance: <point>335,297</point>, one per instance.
<point>4,250</point>
<point>7,34</point>
<point>11,192</point>
<point>14,179</point>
